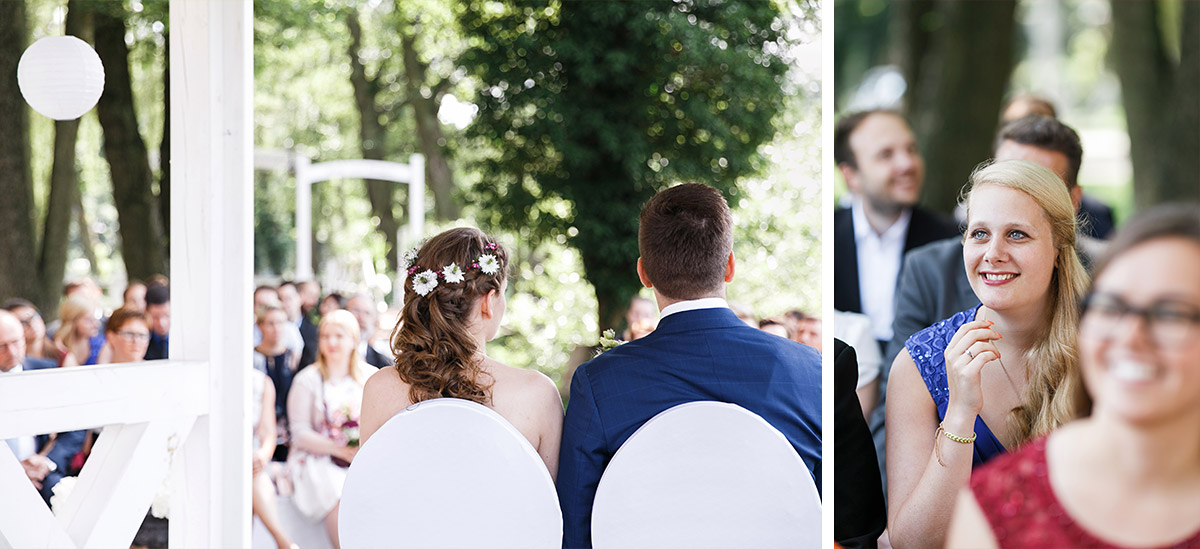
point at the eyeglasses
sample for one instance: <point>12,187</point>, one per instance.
<point>134,336</point>
<point>1170,322</point>
<point>29,319</point>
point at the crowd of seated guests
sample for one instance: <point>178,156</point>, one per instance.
<point>82,334</point>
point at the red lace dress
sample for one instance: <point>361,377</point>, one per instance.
<point>1016,497</point>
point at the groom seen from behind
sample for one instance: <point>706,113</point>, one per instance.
<point>700,351</point>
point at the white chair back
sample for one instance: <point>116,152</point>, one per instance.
<point>706,474</point>
<point>449,473</point>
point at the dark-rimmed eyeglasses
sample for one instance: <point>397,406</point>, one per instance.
<point>1170,322</point>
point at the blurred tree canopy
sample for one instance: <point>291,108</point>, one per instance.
<point>591,107</point>
<point>958,60</point>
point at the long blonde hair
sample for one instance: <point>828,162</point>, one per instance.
<point>69,311</point>
<point>1054,391</point>
<point>344,320</point>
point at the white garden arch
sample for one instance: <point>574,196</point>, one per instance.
<point>188,414</point>
<point>307,174</point>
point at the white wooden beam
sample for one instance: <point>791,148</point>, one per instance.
<point>25,521</point>
<point>212,252</point>
<point>66,399</point>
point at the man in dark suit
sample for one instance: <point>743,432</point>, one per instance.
<point>878,157</point>
<point>363,308</point>
<point>700,351</point>
<point>45,459</point>
<point>158,312</point>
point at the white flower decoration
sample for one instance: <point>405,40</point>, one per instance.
<point>425,282</point>
<point>453,274</point>
<point>410,257</point>
<point>488,264</point>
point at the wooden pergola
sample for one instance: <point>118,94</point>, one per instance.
<point>187,415</point>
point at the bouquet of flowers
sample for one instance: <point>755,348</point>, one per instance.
<point>344,428</point>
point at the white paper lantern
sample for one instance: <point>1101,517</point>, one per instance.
<point>61,77</point>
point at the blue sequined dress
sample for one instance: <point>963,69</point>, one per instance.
<point>926,348</point>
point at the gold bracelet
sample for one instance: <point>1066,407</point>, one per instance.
<point>957,438</point>
<point>937,439</point>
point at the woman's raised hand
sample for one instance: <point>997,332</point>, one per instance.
<point>969,349</point>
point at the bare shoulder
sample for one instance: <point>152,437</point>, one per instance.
<point>521,387</point>
<point>385,384</point>
<point>384,395</point>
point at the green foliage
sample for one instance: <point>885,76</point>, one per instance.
<point>591,107</point>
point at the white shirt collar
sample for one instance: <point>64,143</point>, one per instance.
<point>692,305</point>
<point>15,369</point>
<point>862,227</point>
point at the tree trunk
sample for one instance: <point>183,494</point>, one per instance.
<point>1159,95</point>
<point>137,211</point>
<point>438,176</point>
<point>164,155</point>
<point>64,187</point>
<point>18,274</point>
<point>959,91</point>
<point>372,138</point>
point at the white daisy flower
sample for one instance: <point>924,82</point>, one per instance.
<point>425,282</point>
<point>410,257</point>
<point>488,264</point>
<point>453,274</point>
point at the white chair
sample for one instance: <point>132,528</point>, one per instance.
<point>449,473</point>
<point>706,474</point>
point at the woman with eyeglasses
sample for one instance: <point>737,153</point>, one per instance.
<point>987,379</point>
<point>1128,475</point>
<point>128,335</point>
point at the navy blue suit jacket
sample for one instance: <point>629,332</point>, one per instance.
<point>706,354</point>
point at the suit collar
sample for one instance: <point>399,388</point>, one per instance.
<point>698,319</point>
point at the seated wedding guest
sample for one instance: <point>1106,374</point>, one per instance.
<point>291,334</point>
<point>135,296</point>
<point>640,319</point>
<point>453,305</point>
<point>289,298</point>
<point>933,284</point>
<point>35,327</point>
<point>858,513</point>
<point>310,296</point>
<point>989,378</point>
<point>810,332</point>
<point>331,303</point>
<point>700,351</point>
<point>365,312</point>
<point>44,459</point>
<point>262,490</point>
<point>1128,475</point>
<point>76,339</point>
<point>128,336</point>
<point>273,358</point>
<point>325,398</point>
<point>158,312</point>
<point>775,326</point>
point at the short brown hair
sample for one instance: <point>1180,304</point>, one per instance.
<point>685,236</point>
<point>842,153</point>
<point>1048,133</point>
<point>120,316</point>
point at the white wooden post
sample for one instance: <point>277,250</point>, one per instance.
<point>212,262</point>
<point>304,183</point>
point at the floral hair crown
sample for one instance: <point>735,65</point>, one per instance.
<point>426,280</point>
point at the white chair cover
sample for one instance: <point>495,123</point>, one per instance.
<point>706,474</point>
<point>449,473</point>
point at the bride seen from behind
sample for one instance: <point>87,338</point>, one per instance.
<point>453,305</point>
